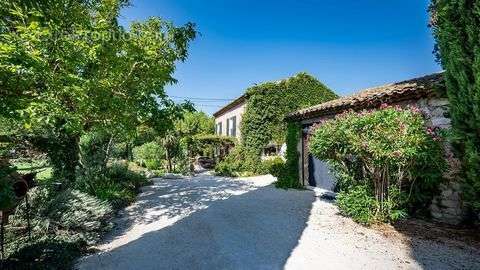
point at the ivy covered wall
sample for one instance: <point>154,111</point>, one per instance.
<point>267,105</point>
<point>289,176</point>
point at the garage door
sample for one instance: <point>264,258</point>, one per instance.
<point>319,174</point>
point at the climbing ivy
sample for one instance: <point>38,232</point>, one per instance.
<point>267,105</point>
<point>288,177</point>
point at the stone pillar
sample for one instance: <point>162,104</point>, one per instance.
<point>446,207</point>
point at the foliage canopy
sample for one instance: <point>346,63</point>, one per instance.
<point>68,67</point>
<point>456,27</point>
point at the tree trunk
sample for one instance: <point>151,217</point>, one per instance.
<point>64,156</point>
<point>169,160</point>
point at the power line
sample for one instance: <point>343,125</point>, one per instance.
<point>213,101</point>
<point>203,99</point>
<point>211,106</point>
<point>208,105</point>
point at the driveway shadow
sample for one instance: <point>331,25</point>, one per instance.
<point>439,246</point>
<point>254,230</point>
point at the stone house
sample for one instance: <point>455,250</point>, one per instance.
<point>425,94</point>
<point>229,118</point>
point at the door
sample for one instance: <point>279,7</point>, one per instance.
<point>319,174</point>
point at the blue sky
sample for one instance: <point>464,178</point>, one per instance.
<point>348,45</point>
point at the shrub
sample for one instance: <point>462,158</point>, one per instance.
<point>119,173</point>
<point>62,223</point>
<point>382,149</point>
<point>44,254</point>
<point>117,195</point>
<point>359,203</point>
<point>233,164</point>
<point>288,177</point>
<point>238,163</point>
<point>7,196</point>
<point>119,186</point>
<point>274,166</point>
<point>69,215</point>
<point>120,150</point>
<point>225,168</point>
<point>93,159</point>
<point>150,155</point>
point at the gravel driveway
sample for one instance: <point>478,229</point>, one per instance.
<point>208,222</point>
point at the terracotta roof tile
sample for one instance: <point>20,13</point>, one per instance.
<point>371,97</point>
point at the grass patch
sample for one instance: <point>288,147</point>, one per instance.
<point>40,166</point>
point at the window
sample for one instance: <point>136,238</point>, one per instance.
<point>219,128</point>
<point>232,126</point>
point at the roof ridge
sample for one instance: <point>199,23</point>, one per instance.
<point>395,90</point>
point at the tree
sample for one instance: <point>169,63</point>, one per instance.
<point>170,143</point>
<point>456,27</point>
<point>68,67</point>
<point>195,123</point>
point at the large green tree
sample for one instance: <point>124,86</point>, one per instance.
<point>195,123</point>
<point>67,67</point>
<point>456,25</point>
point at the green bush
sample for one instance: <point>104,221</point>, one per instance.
<point>359,203</point>
<point>45,254</point>
<point>383,149</point>
<point>274,166</point>
<point>93,160</point>
<point>119,173</point>
<point>119,186</point>
<point>62,223</point>
<point>150,155</point>
<point>68,215</point>
<point>120,150</point>
<point>237,163</point>
<point>288,177</point>
<point>7,196</point>
<point>117,195</point>
<point>225,168</point>
<point>233,164</point>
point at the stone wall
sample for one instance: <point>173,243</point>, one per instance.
<point>447,206</point>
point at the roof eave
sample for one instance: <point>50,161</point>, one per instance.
<point>230,105</point>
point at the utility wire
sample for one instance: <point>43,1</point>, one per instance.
<point>213,101</point>
<point>212,106</point>
<point>204,99</point>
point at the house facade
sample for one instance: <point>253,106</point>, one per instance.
<point>229,118</point>
<point>228,121</point>
<point>423,93</point>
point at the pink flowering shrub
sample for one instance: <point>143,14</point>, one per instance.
<point>389,151</point>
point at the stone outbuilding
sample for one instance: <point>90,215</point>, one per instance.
<point>427,94</point>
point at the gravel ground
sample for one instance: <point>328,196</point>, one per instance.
<point>208,222</point>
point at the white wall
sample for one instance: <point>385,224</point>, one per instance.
<point>235,111</point>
